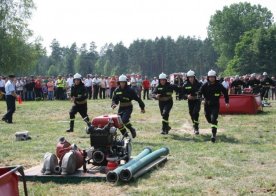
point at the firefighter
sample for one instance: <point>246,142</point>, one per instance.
<point>79,98</point>
<point>237,85</point>
<point>123,95</point>
<point>254,83</point>
<point>266,83</point>
<point>163,92</point>
<point>211,92</point>
<point>191,92</point>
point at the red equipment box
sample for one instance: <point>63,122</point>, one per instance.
<point>241,104</point>
<point>9,181</point>
<point>101,121</point>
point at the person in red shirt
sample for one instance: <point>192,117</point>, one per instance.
<point>38,88</point>
<point>146,87</point>
<point>112,85</point>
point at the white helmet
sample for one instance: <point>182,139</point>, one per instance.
<point>132,80</point>
<point>237,76</point>
<point>77,76</point>
<point>253,75</point>
<point>122,78</point>
<point>190,73</point>
<point>162,76</point>
<point>212,73</point>
<point>264,74</point>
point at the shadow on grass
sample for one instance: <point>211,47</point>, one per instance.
<point>205,138</point>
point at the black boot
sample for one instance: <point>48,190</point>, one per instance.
<point>196,130</point>
<point>71,129</point>
<point>123,131</point>
<point>214,134</point>
<point>132,130</point>
<point>165,128</point>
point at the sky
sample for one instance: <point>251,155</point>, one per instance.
<point>112,21</point>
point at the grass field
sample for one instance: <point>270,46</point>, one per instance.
<point>242,162</point>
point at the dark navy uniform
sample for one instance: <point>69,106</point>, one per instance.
<point>195,102</point>
<point>266,83</point>
<point>80,104</point>
<point>211,94</point>
<point>255,84</point>
<point>165,103</point>
<point>237,85</point>
<point>124,96</point>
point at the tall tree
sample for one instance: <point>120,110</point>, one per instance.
<point>16,54</point>
<point>256,52</point>
<point>227,26</point>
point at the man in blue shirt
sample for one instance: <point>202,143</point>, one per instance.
<point>10,99</point>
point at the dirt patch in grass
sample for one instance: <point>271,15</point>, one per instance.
<point>187,127</point>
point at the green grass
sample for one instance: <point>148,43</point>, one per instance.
<point>242,162</point>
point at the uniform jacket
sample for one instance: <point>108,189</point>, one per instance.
<point>191,89</point>
<point>125,96</point>
<point>212,92</point>
<point>80,93</point>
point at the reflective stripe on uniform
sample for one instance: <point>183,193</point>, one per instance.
<point>214,126</point>
<point>166,121</point>
<point>125,104</point>
<point>127,124</point>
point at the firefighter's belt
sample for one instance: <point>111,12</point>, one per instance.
<point>81,102</point>
<point>165,98</point>
<point>125,104</point>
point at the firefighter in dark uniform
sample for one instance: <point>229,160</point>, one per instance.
<point>191,92</point>
<point>123,95</point>
<point>254,83</point>
<point>79,98</point>
<point>237,85</point>
<point>211,92</point>
<point>163,92</point>
<point>266,83</point>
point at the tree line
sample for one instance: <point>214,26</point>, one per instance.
<point>241,39</point>
<point>147,57</point>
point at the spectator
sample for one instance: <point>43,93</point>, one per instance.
<point>146,87</point>
<point>60,84</point>
<point>96,85</point>
<point>19,87</point>
<point>88,85</point>
<point>50,86</point>
<point>44,91</point>
<point>38,88</point>
<point>112,85</point>
<point>102,87</point>
<point>139,82</point>
<point>107,91</point>
<point>273,90</point>
<point>2,86</point>
<point>154,83</point>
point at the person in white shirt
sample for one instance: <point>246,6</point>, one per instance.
<point>226,83</point>
<point>88,85</point>
<point>103,85</point>
<point>10,99</point>
<point>96,85</point>
<point>107,91</point>
<point>69,81</point>
<point>19,87</point>
<point>154,83</point>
